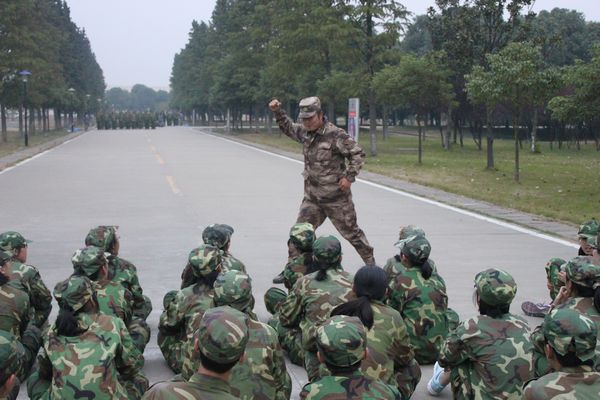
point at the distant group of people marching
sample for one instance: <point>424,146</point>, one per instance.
<point>107,120</point>
<point>361,336</point>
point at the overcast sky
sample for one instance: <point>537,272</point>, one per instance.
<point>135,40</point>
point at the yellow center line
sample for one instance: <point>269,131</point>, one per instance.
<point>173,186</point>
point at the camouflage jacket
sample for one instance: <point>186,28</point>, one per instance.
<point>125,273</point>
<point>200,387</point>
<point>570,383</point>
<point>14,310</point>
<point>27,278</point>
<point>310,301</point>
<point>182,316</point>
<point>100,363</point>
<point>490,357</point>
<point>394,267</point>
<point>388,343</point>
<point>294,269</point>
<point>352,386</point>
<point>329,154</point>
<point>229,262</point>
<point>114,299</point>
<point>423,304</point>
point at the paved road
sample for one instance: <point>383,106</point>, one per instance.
<point>164,186</point>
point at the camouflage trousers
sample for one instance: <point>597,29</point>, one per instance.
<point>407,379</point>
<point>460,382</point>
<point>289,338</point>
<point>340,211</point>
<point>173,350</point>
<point>139,332</point>
<point>144,310</point>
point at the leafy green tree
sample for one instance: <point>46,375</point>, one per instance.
<point>417,39</point>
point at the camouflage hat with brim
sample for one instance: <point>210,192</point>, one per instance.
<point>74,292</point>
<point>342,340</point>
<point>309,106</point>
<point>12,240</point>
<point>553,268</point>
<point>233,288</point>
<point>223,334</point>
<point>217,235</point>
<point>89,260</point>
<point>5,256</point>
<point>302,235</point>
<point>10,356</point>
<point>581,271</point>
<point>406,233</point>
<point>327,249</point>
<point>204,260</point>
<point>102,236</point>
<point>569,331</point>
<point>588,230</point>
<point>495,287</point>
<point>417,249</point>
<point>274,298</point>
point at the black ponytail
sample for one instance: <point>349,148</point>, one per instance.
<point>3,279</point>
<point>360,308</point>
<point>426,270</point>
<point>322,268</point>
<point>66,322</point>
<point>310,263</point>
<point>597,298</point>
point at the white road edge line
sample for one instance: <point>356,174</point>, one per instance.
<point>472,214</point>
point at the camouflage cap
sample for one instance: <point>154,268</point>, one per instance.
<point>10,362</point>
<point>12,240</point>
<point>553,268</point>
<point>309,106</point>
<point>569,331</point>
<point>74,292</point>
<point>233,288</point>
<point>581,271</point>
<point>102,236</point>
<point>89,260</point>
<point>342,340</point>
<point>302,235</point>
<point>589,229</point>
<point>327,249</point>
<point>4,257</point>
<point>406,232</point>
<point>417,249</point>
<point>495,287</point>
<point>217,235</point>
<point>205,259</point>
<point>223,334</point>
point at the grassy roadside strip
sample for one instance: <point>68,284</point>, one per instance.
<point>563,184</point>
<point>15,141</point>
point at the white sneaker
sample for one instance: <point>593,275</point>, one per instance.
<point>434,387</point>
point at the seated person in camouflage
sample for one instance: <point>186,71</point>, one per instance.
<point>390,356</point>
<point>487,356</point>
<point>582,293</point>
<point>219,236</point>
<point>26,277</point>
<point>553,283</point>
<point>113,298</point>
<point>86,354</point>
<point>10,362</point>
<point>220,342</point>
<point>184,308</point>
<point>342,347</point>
<point>119,269</point>
<point>571,339</point>
<point>262,374</point>
<point>587,232</point>
<point>314,296</point>
<point>420,297</point>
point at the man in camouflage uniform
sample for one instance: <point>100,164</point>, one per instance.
<point>262,374</point>
<point>571,339</point>
<point>488,356</point>
<point>342,343</point>
<point>587,232</point>
<point>220,340</point>
<point>332,160</point>
<point>26,277</point>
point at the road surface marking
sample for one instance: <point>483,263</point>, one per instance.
<point>173,186</point>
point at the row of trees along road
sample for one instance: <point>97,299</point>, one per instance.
<point>39,36</point>
<point>140,98</point>
<point>483,65</point>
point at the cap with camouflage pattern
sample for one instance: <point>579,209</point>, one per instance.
<point>302,235</point>
<point>569,331</point>
<point>588,230</point>
<point>594,241</point>
<point>233,288</point>
<point>102,236</point>
<point>12,240</point>
<point>217,235</point>
<point>4,257</point>
<point>581,271</point>
<point>342,340</point>
<point>204,260</point>
<point>309,106</point>
<point>406,232</point>
<point>89,260</point>
<point>10,361</point>
<point>74,292</point>
<point>495,287</point>
<point>417,249</point>
<point>327,249</point>
<point>223,334</point>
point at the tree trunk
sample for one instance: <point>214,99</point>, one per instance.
<point>385,121</point>
<point>32,121</point>
<point>534,122</point>
<point>420,141</point>
<point>516,132</point>
<point>490,139</point>
<point>460,134</point>
<point>4,129</point>
<point>21,126</point>
<point>269,122</point>
<point>373,123</point>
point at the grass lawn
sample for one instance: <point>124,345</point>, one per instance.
<point>560,184</point>
<point>15,141</point>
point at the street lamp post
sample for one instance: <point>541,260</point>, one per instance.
<point>24,77</point>
<point>72,101</point>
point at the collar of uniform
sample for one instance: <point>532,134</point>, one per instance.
<point>210,382</point>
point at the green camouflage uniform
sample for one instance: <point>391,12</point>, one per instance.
<point>14,305</point>
<point>490,358</point>
<point>553,267</point>
<point>330,154</point>
<point>11,357</point>
<point>222,336</point>
<point>27,278</point>
<point>99,363</point>
<point>180,317</point>
<point>342,342</point>
<point>310,301</point>
<point>588,231</point>
<point>423,303</point>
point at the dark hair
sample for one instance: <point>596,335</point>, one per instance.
<point>425,267</point>
<point>214,366</point>
<point>336,370</point>
<point>570,359</point>
<point>493,311</point>
<point>310,263</point>
<point>585,291</point>
<point>3,279</point>
<point>208,280</point>
<point>93,277</point>
<point>4,377</point>
<point>597,298</point>
<point>66,321</point>
<point>322,267</point>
